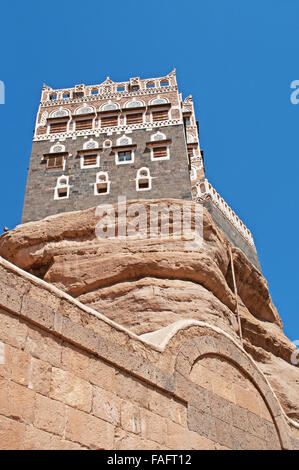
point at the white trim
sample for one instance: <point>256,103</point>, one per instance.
<point>102,108</point>
<point>119,140</point>
<point>160,134</point>
<point>62,186</point>
<point>58,144</point>
<point>84,107</point>
<point>90,141</point>
<point>98,181</point>
<point>126,162</point>
<point>147,177</point>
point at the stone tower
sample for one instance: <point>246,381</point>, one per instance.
<point>137,139</point>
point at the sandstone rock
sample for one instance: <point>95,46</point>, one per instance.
<point>146,284</point>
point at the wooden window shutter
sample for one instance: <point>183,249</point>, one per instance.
<point>159,152</point>
<point>109,121</point>
<point>90,160</point>
<point>134,118</point>
<point>85,124</point>
<point>57,127</point>
<point>55,163</point>
<point>160,115</point>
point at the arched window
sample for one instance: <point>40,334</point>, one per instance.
<point>91,144</point>
<point>53,96</point>
<point>124,140</point>
<point>159,101</point>
<point>134,104</point>
<point>164,82</point>
<point>109,107</point>
<point>60,113</point>
<point>62,188</point>
<point>84,110</point>
<point>56,148</point>
<point>143,180</point>
<point>102,184</point>
<point>150,85</point>
<point>158,136</point>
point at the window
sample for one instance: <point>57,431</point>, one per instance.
<point>125,156</point>
<point>55,163</point>
<point>90,160</point>
<point>143,180</point>
<point>78,94</point>
<point>53,96</point>
<point>134,104</point>
<point>134,118</point>
<point>57,127</point>
<point>84,124</point>
<point>150,85</point>
<point>187,121</point>
<point>95,91</point>
<point>109,107</point>
<point>107,143</point>
<point>62,188</point>
<point>160,152</point>
<point>190,152</point>
<point>159,101</point>
<point>134,87</point>
<point>102,184</point>
<point>160,115</point>
<point>65,95</point>
<point>60,113</point>
<point>120,88</point>
<point>109,121</point>
<point>164,83</point>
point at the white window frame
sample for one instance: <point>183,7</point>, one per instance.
<point>83,167</point>
<point>138,177</point>
<point>156,159</point>
<point>117,162</point>
<point>60,186</point>
<point>98,182</point>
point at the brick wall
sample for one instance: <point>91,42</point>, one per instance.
<point>72,379</point>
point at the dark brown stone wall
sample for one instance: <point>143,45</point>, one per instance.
<point>170,178</point>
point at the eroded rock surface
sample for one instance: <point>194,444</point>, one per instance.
<point>146,284</point>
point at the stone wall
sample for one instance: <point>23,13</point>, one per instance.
<point>232,233</point>
<point>72,379</point>
<point>170,178</point>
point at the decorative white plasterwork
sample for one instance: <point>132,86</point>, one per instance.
<point>124,140</point>
<point>134,104</point>
<point>158,136</point>
<point>57,148</point>
<point>61,112</point>
<point>90,144</point>
<point>84,109</point>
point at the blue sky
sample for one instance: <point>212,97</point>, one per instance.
<point>236,58</point>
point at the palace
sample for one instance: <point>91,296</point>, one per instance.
<point>137,139</point>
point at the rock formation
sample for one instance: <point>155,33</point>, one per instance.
<point>148,283</point>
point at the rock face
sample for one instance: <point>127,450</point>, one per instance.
<point>148,283</point>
